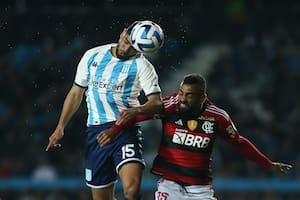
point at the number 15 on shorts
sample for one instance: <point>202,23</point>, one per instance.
<point>128,151</point>
<point>161,195</point>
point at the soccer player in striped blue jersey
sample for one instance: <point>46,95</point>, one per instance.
<point>111,77</point>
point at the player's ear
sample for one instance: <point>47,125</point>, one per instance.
<point>123,33</point>
<point>203,98</point>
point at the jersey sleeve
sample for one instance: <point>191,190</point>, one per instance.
<point>118,127</point>
<point>170,103</point>
<point>82,74</point>
<point>241,144</point>
<point>148,78</point>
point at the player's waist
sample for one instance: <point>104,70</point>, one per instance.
<point>104,125</point>
<point>95,119</point>
<point>107,125</point>
<point>99,117</point>
<point>175,171</point>
<point>190,188</point>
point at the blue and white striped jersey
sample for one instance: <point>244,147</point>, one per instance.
<point>113,84</point>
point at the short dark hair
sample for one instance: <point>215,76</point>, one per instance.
<point>195,79</point>
<point>130,27</point>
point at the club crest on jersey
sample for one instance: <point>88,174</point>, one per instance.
<point>192,124</point>
<point>207,127</point>
<point>125,68</point>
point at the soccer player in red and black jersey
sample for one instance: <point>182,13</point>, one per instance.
<point>191,123</point>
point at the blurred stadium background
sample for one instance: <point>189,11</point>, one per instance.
<point>249,52</point>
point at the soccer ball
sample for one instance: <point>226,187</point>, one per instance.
<point>147,37</point>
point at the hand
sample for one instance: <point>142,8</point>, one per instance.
<point>281,167</point>
<point>106,137</point>
<point>127,115</point>
<point>54,138</point>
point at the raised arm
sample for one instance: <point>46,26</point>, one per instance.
<point>158,109</point>
<point>128,117</point>
<point>108,135</point>
<point>152,106</point>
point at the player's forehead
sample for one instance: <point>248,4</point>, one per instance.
<point>125,37</point>
<point>128,30</point>
<point>130,27</point>
<point>190,88</point>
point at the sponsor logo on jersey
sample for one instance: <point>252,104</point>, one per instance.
<point>192,124</point>
<point>206,118</point>
<point>207,127</point>
<point>114,86</point>
<point>183,138</point>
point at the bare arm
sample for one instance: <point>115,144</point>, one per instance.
<point>70,106</point>
<point>127,117</point>
<point>152,106</point>
<point>108,135</point>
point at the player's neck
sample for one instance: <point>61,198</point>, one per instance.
<point>113,51</point>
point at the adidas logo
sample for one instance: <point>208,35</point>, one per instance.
<point>179,122</point>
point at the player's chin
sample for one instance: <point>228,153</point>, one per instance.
<point>123,56</point>
<point>183,108</point>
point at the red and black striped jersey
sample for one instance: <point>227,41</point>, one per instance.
<point>185,150</point>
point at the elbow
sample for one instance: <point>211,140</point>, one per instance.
<point>157,107</point>
<point>159,103</point>
<point>154,105</point>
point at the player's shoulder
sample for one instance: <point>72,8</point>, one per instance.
<point>172,97</point>
<point>143,61</point>
<point>170,102</point>
<point>215,111</point>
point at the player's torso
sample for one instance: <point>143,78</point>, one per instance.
<point>190,134</point>
<point>186,146</point>
<point>113,85</point>
<point>185,149</point>
<point>108,75</point>
<point>196,135</point>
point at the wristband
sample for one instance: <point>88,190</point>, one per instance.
<point>116,128</point>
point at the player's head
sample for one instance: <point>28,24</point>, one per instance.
<point>192,94</point>
<point>124,48</point>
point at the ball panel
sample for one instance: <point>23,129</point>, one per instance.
<point>147,37</point>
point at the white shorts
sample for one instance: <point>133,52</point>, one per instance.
<point>170,190</point>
